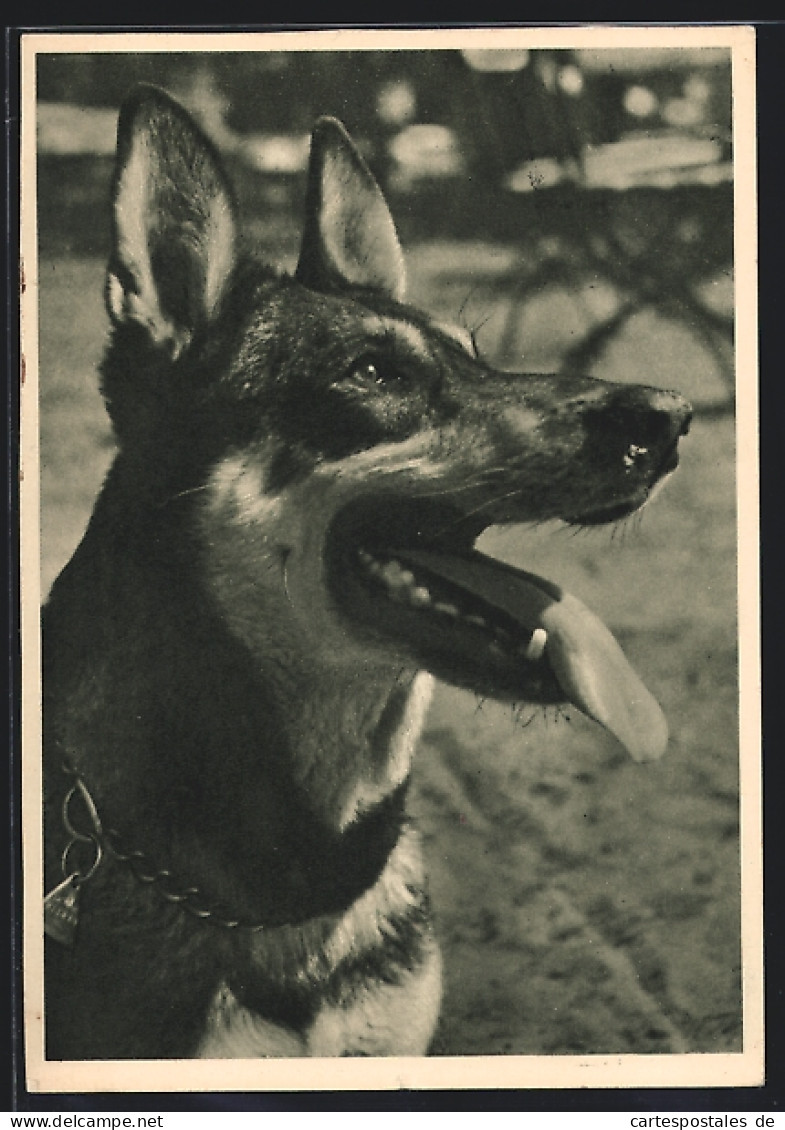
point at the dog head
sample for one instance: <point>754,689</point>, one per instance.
<point>338,452</point>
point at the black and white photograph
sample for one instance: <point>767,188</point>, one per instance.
<point>389,514</point>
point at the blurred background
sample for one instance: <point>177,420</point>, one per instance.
<point>575,210</point>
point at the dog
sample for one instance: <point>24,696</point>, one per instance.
<point>239,656</point>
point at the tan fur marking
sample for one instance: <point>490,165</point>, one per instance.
<point>413,458</point>
<point>412,335</point>
<point>219,252</point>
<point>374,1020</point>
<point>131,207</point>
<point>459,334</point>
<point>397,764</point>
<point>233,1032</point>
<point>377,1019</point>
<point>383,1019</point>
<point>397,889</point>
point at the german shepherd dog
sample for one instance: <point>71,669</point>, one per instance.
<point>239,656</point>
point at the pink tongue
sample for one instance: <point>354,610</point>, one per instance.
<point>595,675</point>
<point>591,667</point>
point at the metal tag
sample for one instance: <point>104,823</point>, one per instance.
<point>61,911</point>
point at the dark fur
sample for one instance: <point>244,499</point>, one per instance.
<point>180,678</point>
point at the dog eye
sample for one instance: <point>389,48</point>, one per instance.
<point>368,371</point>
<point>371,371</point>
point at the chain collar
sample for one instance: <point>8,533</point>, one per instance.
<point>88,843</point>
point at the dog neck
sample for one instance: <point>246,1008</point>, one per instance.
<point>355,747</point>
<point>235,786</point>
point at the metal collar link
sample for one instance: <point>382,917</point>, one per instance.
<point>77,871</point>
<point>85,834</point>
<point>189,898</point>
<point>70,861</point>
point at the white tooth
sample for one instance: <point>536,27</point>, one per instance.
<point>476,620</point>
<point>392,574</point>
<point>364,556</point>
<point>407,577</point>
<point>419,596</point>
<point>447,609</point>
<point>536,645</point>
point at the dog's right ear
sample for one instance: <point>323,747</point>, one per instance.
<point>174,223</point>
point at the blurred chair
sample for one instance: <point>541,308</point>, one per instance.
<point>647,212</point>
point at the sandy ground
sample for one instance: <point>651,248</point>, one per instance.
<point>586,904</point>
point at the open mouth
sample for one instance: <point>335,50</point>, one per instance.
<point>407,572</point>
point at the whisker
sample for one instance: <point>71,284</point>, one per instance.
<point>488,502</point>
<point>284,562</point>
<point>481,322</point>
<point>182,494</point>
<point>462,308</point>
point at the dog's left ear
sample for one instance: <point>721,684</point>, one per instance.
<point>174,223</point>
<point>349,234</point>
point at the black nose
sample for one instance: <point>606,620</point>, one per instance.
<point>633,432</point>
<point>645,418</point>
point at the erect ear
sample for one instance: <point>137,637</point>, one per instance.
<point>349,234</point>
<point>174,223</point>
